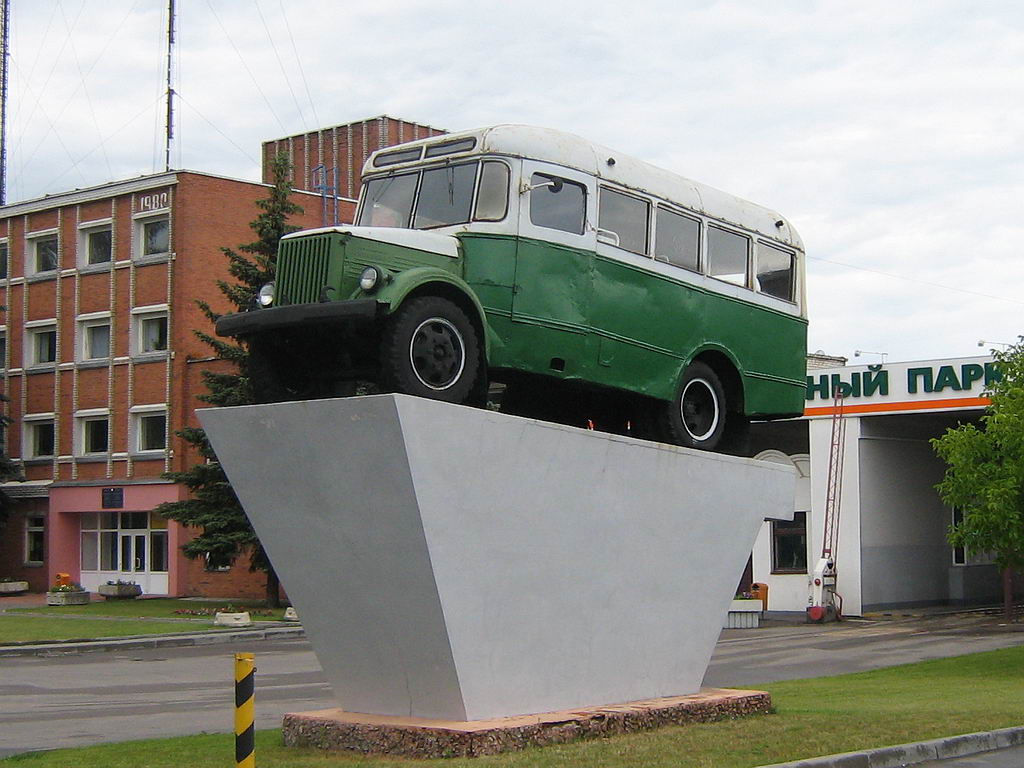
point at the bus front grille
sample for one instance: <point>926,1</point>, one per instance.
<point>302,266</point>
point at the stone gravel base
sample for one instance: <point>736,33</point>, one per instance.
<point>334,729</point>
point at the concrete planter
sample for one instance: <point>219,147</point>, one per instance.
<point>119,591</point>
<point>67,598</point>
<point>224,619</point>
<point>13,587</point>
<point>743,614</point>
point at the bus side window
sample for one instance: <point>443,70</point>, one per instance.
<point>728,254</point>
<point>774,271</point>
<point>560,205</point>
<point>625,216</point>
<point>492,198</point>
<point>677,239</point>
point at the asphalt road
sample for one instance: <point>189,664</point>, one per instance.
<point>116,695</point>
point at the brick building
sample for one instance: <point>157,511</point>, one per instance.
<point>102,367</point>
<point>101,364</point>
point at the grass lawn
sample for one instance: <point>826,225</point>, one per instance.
<point>814,717</point>
<point>117,618</point>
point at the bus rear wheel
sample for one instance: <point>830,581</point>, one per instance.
<point>430,349</point>
<point>696,417</point>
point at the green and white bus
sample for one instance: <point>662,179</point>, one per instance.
<point>595,286</point>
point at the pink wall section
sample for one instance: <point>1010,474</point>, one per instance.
<point>63,531</point>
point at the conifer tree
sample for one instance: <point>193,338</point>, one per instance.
<point>213,508</point>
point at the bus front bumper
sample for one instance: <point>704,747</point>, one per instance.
<point>297,315</point>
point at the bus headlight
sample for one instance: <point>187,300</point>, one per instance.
<point>370,279</point>
<point>266,295</point>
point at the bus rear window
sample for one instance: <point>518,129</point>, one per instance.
<point>774,271</point>
<point>387,202</point>
<point>557,203</point>
<point>727,255</point>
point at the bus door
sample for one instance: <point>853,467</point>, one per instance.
<point>554,269</point>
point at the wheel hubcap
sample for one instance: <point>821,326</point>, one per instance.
<point>699,409</point>
<point>437,353</point>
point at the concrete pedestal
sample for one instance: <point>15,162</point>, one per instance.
<point>458,564</point>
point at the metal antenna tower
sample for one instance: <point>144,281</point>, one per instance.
<point>170,89</point>
<point>5,42</point>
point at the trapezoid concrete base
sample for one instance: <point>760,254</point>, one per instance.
<point>459,564</point>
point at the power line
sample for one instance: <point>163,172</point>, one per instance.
<point>298,60</point>
<point>188,104</point>
<point>273,47</point>
<point>916,280</point>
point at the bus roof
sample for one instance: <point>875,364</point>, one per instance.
<point>572,151</point>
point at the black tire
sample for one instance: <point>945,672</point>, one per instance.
<point>696,417</point>
<point>430,349</point>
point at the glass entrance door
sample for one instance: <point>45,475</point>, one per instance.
<point>125,546</point>
<point>133,552</point>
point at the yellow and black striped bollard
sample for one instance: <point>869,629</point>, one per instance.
<point>245,710</point>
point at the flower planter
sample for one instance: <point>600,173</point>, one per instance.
<point>67,598</point>
<point>119,591</point>
<point>223,619</point>
<point>13,587</point>
<point>743,614</point>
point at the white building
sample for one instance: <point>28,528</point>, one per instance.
<point>892,550</point>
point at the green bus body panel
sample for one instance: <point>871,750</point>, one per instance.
<point>576,315</point>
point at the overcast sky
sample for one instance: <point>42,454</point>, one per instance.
<point>891,134</point>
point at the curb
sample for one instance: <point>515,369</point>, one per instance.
<point>919,752</point>
<point>135,642</point>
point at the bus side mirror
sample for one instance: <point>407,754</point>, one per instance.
<point>554,184</point>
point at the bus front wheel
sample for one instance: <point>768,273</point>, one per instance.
<point>430,349</point>
<point>697,416</point>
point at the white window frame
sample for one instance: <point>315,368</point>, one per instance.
<point>139,316</point>
<point>33,328</point>
<point>5,260</point>
<point>85,322</point>
<point>141,220</point>
<point>85,231</point>
<point>82,420</point>
<point>28,435</point>
<point>138,413</point>
<point>31,529</point>
<point>33,239</point>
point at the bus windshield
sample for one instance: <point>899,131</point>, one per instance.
<point>436,197</point>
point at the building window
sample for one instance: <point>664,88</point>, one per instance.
<point>119,541</point>
<point>789,544</point>
<point>95,246</point>
<point>150,333</point>
<point>43,255</point>
<point>150,428</point>
<point>40,440</point>
<point>93,434</point>
<point>41,345</point>
<point>154,236</point>
<point>960,554</point>
<point>3,349</point>
<point>94,339</point>
<point>4,253</point>
<point>35,539</point>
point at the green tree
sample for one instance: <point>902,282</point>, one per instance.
<point>213,507</point>
<point>985,473</point>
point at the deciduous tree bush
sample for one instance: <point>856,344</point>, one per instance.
<point>985,473</point>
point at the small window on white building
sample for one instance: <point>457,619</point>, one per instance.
<point>789,544</point>
<point>94,338</point>
<point>41,345</point>
<point>35,539</point>
<point>149,427</point>
<point>149,333</point>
